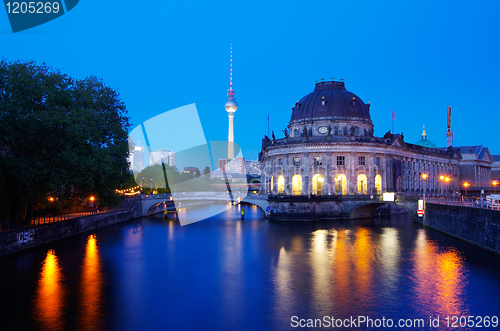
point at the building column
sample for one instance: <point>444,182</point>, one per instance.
<point>305,173</point>
<point>352,180</point>
<point>286,173</point>
<point>328,180</point>
<point>371,174</point>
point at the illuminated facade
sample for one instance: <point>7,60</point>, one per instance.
<point>330,149</point>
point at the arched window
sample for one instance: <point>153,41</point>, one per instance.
<point>378,184</point>
<point>362,185</point>
<point>297,185</point>
<point>341,184</point>
<point>272,185</point>
<point>318,183</point>
<point>281,184</point>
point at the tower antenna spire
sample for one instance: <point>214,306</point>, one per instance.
<point>231,71</point>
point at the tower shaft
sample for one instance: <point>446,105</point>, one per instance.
<point>230,138</point>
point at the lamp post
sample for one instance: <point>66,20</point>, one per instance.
<point>466,185</point>
<point>442,179</point>
<point>424,177</point>
<point>151,187</point>
<point>495,183</point>
<point>447,180</point>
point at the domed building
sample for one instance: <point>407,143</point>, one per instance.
<point>424,142</point>
<point>329,149</point>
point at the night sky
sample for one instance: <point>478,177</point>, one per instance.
<point>416,57</point>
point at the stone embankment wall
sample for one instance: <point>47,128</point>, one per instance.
<point>476,225</point>
<point>19,239</point>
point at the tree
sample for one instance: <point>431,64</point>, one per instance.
<point>60,137</point>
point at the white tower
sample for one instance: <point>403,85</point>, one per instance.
<point>231,107</point>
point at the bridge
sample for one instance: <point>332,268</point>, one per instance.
<point>152,204</point>
<point>281,207</point>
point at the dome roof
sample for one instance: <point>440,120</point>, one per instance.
<point>424,142</point>
<point>330,99</point>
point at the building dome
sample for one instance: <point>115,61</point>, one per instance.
<point>330,100</point>
<point>424,142</point>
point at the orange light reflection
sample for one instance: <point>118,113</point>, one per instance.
<point>91,287</point>
<point>49,299</point>
<point>439,279</point>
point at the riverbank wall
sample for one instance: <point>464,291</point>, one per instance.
<point>476,225</point>
<point>19,239</point>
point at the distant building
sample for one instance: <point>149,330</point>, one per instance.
<point>162,156</point>
<point>193,170</point>
<point>136,159</point>
<point>252,168</point>
<point>495,167</point>
<point>475,166</point>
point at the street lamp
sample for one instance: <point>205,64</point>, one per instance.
<point>466,185</point>
<point>442,179</point>
<point>424,177</point>
<point>447,180</point>
<point>495,183</point>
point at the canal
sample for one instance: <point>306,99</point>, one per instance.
<point>227,274</point>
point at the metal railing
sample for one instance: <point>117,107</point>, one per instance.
<point>47,219</point>
<point>463,202</point>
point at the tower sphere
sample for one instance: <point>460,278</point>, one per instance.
<point>231,105</point>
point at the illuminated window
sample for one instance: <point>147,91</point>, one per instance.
<point>341,184</point>
<point>318,161</point>
<point>318,184</point>
<point>281,184</point>
<point>378,184</point>
<point>362,185</point>
<point>297,185</point>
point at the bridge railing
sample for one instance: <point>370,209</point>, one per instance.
<point>463,202</point>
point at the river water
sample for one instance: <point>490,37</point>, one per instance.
<point>227,274</point>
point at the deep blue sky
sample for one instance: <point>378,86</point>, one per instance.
<point>416,57</point>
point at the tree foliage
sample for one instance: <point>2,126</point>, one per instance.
<point>60,137</point>
<point>166,178</point>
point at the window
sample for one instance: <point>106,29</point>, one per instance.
<point>280,162</point>
<point>296,161</point>
<point>377,161</point>
<point>318,161</point>
<point>340,160</point>
<point>362,161</point>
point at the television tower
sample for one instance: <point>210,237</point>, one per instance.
<point>449,133</point>
<point>231,107</point>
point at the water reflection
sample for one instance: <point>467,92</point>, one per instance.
<point>321,271</point>
<point>439,278</point>
<point>91,307</point>
<point>49,300</point>
<point>390,252</point>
